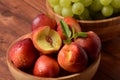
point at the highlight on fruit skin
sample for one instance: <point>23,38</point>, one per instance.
<point>46,40</point>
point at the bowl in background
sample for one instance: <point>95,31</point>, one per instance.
<point>18,74</point>
<point>105,28</point>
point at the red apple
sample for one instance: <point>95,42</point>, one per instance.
<point>43,20</point>
<point>91,44</point>
<point>72,58</point>
<point>46,66</point>
<point>46,40</point>
<point>23,53</point>
<point>72,23</point>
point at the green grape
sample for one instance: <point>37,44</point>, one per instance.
<point>53,2</point>
<point>115,3</point>
<point>65,3</point>
<point>74,0</point>
<point>96,6</point>
<point>105,2</point>
<point>77,8</point>
<point>107,11</point>
<point>85,15</point>
<point>86,3</point>
<point>57,9</point>
<point>67,11</point>
<point>86,9</point>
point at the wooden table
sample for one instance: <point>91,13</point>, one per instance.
<point>15,20</point>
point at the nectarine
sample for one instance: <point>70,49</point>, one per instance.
<point>23,53</point>
<point>43,20</point>
<point>72,58</point>
<point>91,44</point>
<point>46,40</point>
<point>46,66</point>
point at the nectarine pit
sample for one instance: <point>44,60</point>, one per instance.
<point>49,40</point>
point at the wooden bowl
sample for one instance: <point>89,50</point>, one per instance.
<point>87,74</point>
<point>106,28</point>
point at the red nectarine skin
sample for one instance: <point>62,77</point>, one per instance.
<point>43,20</point>
<point>91,44</point>
<point>46,66</point>
<point>23,53</point>
<point>72,23</point>
<point>72,58</point>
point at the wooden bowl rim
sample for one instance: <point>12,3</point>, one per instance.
<point>83,21</point>
<point>10,64</point>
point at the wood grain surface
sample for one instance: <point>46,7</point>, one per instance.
<point>15,20</point>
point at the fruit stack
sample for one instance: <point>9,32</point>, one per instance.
<point>55,48</point>
<point>86,9</point>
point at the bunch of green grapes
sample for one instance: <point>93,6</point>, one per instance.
<point>86,9</point>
